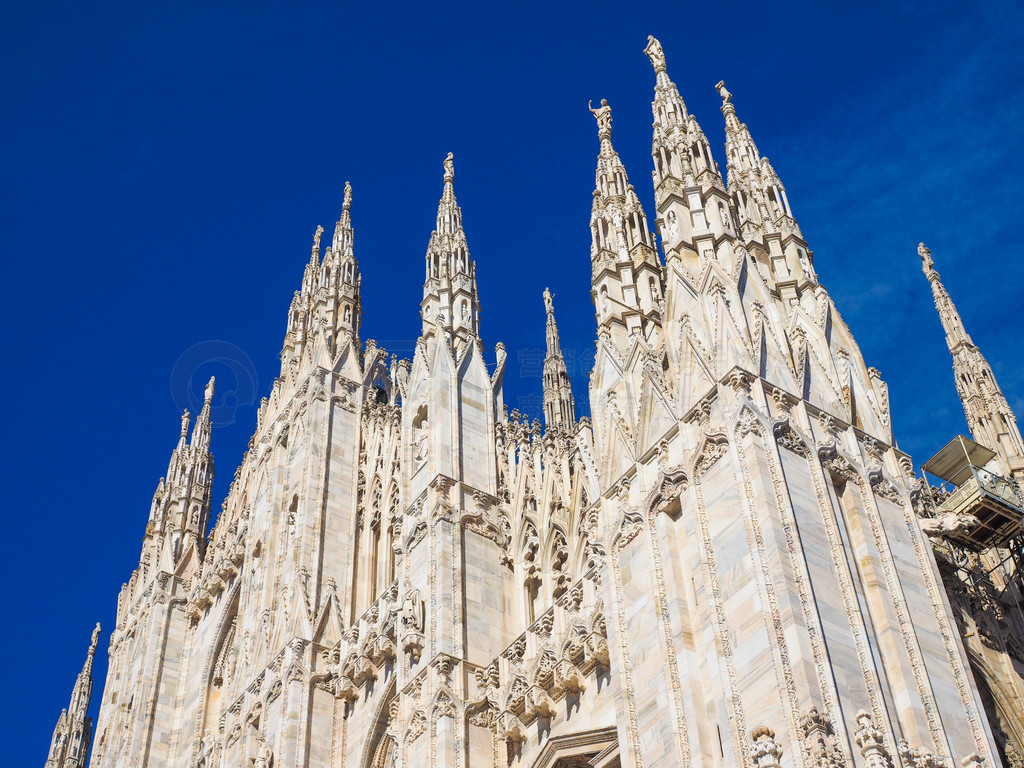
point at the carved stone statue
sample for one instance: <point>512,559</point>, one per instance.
<point>655,53</point>
<point>673,226</point>
<point>264,755</point>
<point>603,115</point>
<point>412,612</point>
<point>926,256</point>
<point>723,92</point>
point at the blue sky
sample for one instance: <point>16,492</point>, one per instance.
<point>163,169</point>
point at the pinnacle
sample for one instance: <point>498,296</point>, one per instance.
<point>449,219</point>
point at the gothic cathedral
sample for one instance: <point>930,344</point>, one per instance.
<point>729,563</point>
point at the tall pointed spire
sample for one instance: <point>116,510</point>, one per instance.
<point>559,407</point>
<point>765,219</point>
<point>989,417</point>
<point>680,150</point>
<point>757,190</point>
<point>338,302</point>
<point>450,300</point>
<point>693,208</point>
<point>69,747</point>
<point>626,272</point>
<point>327,308</point>
<point>180,510</point>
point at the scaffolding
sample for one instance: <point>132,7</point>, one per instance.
<point>978,508</point>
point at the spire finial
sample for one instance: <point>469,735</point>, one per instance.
<point>603,115</point>
<point>95,639</point>
<point>655,53</point>
<point>449,168</point>
<point>316,240</point>
<point>926,260</point>
<point>346,204</point>
<point>208,395</point>
<point>185,417</point>
<point>559,408</point>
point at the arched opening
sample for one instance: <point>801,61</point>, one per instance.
<point>381,749</point>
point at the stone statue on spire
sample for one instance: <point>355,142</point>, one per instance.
<point>655,53</point>
<point>926,257</point>
<point>185,416</point>
<point>723,92</point>
<point>449,167</point>
<point>603,115</point>
<point>316,239</point>
<point>547,301</point>
<point>208,395</point>
<point>347,202</point>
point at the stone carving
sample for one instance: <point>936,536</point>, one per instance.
<point>723,92</point>
<point>819,740</point>
<point>603,115</point>
<point>766,752</point>
<point>871,742</point>
<point>948,524</point>
<point>264,757</point>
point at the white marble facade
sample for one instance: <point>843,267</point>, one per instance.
<point>723,566</point>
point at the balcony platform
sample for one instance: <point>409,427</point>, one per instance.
<point>983,507</point>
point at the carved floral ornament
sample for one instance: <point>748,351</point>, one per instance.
<point>765,752</point>
<point>666,496</point>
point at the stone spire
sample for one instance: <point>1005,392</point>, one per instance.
<point>559,407</point>
<point>765,219</point>
<point>327,308</point>
<point>694,217</point>
<point>450,301</point>
<point>989,417</point>
<point>338,300</point>
<point>69,747</point>
<point>682,155</point>
<point>626,273</point>
<point>757,191</point>
<point>180,509</point>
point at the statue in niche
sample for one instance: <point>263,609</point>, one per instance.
<point>419,439</point>
<point>412,612</point>
<point>264,755</point>
<point>673,227</point>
